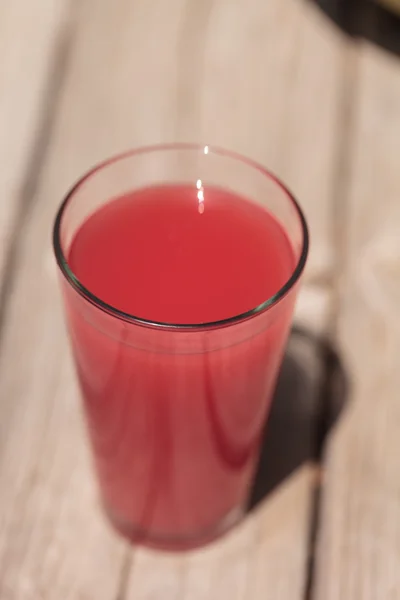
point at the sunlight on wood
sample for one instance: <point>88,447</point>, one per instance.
<point>359,546</point>
<point>256,560</point>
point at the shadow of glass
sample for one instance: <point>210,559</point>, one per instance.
<point>311,392</point>
<point>365,19</point>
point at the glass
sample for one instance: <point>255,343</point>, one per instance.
<point>175,467</point>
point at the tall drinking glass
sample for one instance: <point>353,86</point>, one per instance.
<point>175,410</point>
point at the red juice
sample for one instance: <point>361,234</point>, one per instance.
<point>175,420</point>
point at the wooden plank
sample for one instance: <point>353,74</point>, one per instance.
<point>271,80</point>
<point>310,133</point>
<point>30,33</point>
<point>277,117</point>
<point>359,548</point>
<point>129,82</point>
<point>53,543</point>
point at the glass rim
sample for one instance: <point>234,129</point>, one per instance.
<point>129,318</point>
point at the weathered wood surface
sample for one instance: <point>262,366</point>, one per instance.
<point>32,37</point>
<point>262,78</point>
<point>359,542</point>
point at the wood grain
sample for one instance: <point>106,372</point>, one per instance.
<point>359,546</point>
<point>245,76</point>
<point>31,35</point>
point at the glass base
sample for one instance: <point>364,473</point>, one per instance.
<point>137,535</point>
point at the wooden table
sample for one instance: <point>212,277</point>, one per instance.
<point>278,81</point>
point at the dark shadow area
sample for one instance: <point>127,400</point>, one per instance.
<point>366,19</point>
<point>311,393</point>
